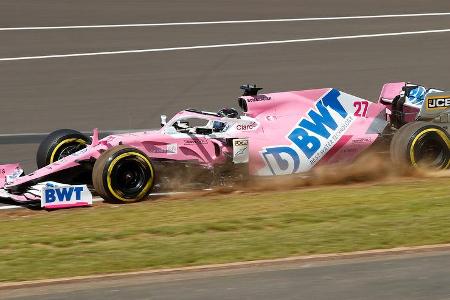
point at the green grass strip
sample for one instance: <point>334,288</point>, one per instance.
<point>226,228</point>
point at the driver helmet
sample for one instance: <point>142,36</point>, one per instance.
<point>218,126</point>
<point>228,112</point>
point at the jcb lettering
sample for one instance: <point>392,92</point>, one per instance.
<point>438,103</point>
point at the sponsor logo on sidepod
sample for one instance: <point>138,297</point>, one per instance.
<point>258,98</point>
<point>164,149</point>
<point>313,136</point>
<point>245,127</point>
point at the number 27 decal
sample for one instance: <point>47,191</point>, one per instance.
<point>361,108</point>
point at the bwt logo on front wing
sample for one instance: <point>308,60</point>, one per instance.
<point>313,136</point>
<point>66,196</point>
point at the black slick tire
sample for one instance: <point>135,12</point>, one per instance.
<point>59,144</point>
<point>123,174</point>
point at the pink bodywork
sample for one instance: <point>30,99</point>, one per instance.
<point>288,132</point>
<point>281,115</point>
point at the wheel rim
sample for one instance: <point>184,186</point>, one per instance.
<point>66,148</point>
<point>70,149</point>
<point>431,151</point>
<point>130,178</point>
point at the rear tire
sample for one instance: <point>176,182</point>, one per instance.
<point>421,144</point>
<point>59,144</point>
<point>123,174</point>
<point>395,140</point>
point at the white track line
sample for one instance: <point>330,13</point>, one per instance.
<point>226,22</point>
<point>331,38</point>
<point>98,199</point>
<point>6,207</point>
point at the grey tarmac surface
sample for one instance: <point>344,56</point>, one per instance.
<point>66,12</point>
<point>411,276</point>
<point>131,90</point>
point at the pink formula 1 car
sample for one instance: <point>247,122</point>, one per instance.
<point>276,134</point>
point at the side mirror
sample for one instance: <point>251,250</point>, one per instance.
<point>163,120</point>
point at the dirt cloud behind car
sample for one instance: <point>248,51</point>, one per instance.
<point>369,168</point>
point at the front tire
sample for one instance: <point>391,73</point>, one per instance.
<point>421,144</point>
<point>123,174</point>
<point>59,144</point>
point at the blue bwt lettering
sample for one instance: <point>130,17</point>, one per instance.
<point>319,121</point>
<point>331,100</point>
<point>78,191</point>
<point>307,143</point>
<point>63,194</point>
<point>285,158</point>
<point>305,137</point>
<point>50,196</point>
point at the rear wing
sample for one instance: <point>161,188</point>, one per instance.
<point>389,91</point>
<point>399,110</point>
<point>406,102</point>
